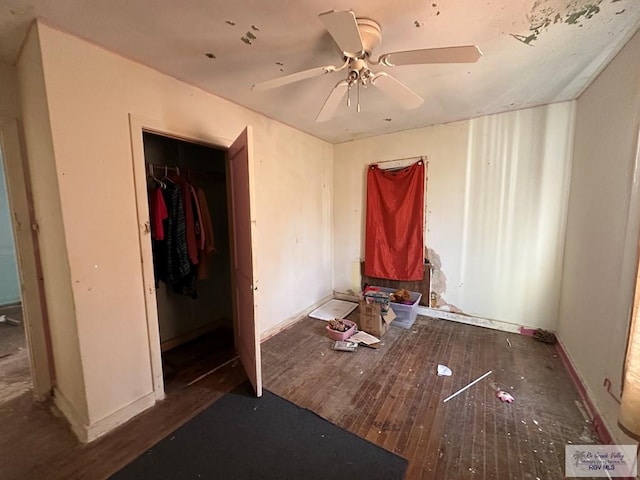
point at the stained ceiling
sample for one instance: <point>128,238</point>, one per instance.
<point>534,51</point>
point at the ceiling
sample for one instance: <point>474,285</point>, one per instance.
<point>534,51</point>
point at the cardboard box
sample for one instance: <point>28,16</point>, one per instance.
<point>371,321</point>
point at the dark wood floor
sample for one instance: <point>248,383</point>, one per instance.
<point>393,397</point>
<point>35,444</point>
<point>15,373</point>
<point>389,396</point>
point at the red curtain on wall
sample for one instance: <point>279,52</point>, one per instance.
<point>394,244</point>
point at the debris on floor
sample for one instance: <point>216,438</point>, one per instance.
<point>501,394</point>
<point>340,329</point>
<point>467,386</point>
<point>504,396</point>
<point>12,321</point>
<point>344,346</point>
<point>365,339</point>
<point>444,371</point>
<point>545,336</point>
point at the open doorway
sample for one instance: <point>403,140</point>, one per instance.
<point>191,247</point>
<point>238,168</point>
<point>15,370</point>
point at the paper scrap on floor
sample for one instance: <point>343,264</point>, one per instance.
<point>364,337</point>
<point>333,309</point>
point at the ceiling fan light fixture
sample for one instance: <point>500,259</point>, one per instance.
<point>357,38</point>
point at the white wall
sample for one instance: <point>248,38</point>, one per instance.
<point>496,207</point>
<point>89,94</point>
<point>602,229</point>
<point>70,382</point>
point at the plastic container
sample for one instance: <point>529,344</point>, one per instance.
<point>336,335</point>
<point>373,295</point>
<point>405,313</point>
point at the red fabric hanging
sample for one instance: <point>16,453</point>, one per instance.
<point>394,244</point>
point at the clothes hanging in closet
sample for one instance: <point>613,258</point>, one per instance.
<point>181,233</point>
<point>157,213</point>
<point>208,246</point>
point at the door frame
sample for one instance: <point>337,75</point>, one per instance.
<point>137,125</point>
<point>25,234</point>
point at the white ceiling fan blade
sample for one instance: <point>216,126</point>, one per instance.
<point>333,100</point>
<point>462,54</point>
<point>343,27</point>
<point>396,90</point>
<point>293,77</point>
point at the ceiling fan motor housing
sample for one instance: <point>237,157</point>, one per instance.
<point>370,33</point>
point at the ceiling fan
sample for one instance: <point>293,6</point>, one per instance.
<point>357,38</point>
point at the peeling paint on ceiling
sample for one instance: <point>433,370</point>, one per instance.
<point>570,41</point>
<point>545,13</point>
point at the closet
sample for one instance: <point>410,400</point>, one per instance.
<point>195,306</point>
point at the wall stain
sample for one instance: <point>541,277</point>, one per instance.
<point>438,279</point>
<point>439,284</point>
<point>545,13</point>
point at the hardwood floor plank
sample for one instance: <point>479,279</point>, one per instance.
<point>390,396</point>
<point>393,397</point>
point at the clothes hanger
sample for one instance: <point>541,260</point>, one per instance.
<point>166,175</point>
<point>161,184</point>
<point>150,177</point>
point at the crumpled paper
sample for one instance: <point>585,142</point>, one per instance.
<point>504,396</point>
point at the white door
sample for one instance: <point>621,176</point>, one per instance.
<point>247,335</point>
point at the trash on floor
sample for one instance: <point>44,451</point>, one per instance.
<point>372,320</point>
<point>363,338</point>
<point>340,329</point>
<point>545,336</point>
<point>344,346</point>
<point>4,318</point>
<point>504,396</point>
<point>403,304</point>
<point>469,385</point>
<point>444,371</point>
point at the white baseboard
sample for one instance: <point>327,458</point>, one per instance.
<point>119,417</point>
<point>346,296</point>
<point>469,320</point>
<point>71,414</point>
<point>88,433</point>
<point>445,315</point>
<point>422,310</point>
<point>294,319</point>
